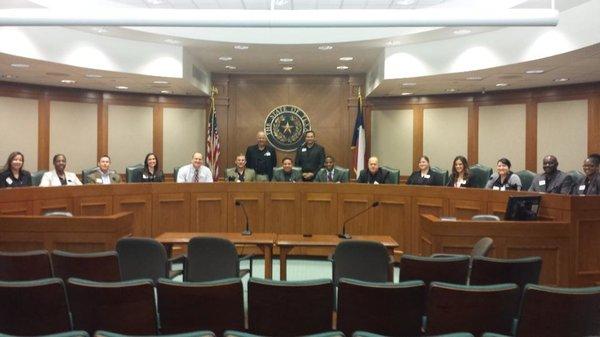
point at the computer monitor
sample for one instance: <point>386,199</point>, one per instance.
<point>522,208</point>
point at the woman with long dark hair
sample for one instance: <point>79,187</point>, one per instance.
<point>152,172</point>
<point>461,176</point>
<point>13,174</point>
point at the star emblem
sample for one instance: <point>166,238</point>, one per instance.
<point>287,128</point>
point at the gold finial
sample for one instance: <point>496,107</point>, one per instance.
<point>214,91</point>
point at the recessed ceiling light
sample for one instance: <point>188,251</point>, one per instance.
<point>346,58</point>
<point>68,81</point>
<point>502,84</point>
<point>230,67</point>
<point>474,78</point>
<point>561,79</point>
<point>99,30</point>
<point>281,2</point>
<point>19,65</point>
<point>165,92</point>
<point>288,68</point>
<point>154,2</point>
<point>392,43</point>
<point>325,47</point>
<point>172,41</point>
<point>9,76</point>
<point>93,76</point>
<point>342,67</point>
<point>160,82</point>
<point>462,31</point>
<point>121,87</point>
<point>225,58</point>
<point>286,59</point>
<point>240,47</point>
<point>450,90</point>
<point>534,71</point>
<point>406,93</point>
<point>409,84</point>
<point>405,2</point>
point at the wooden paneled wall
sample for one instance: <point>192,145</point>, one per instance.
<point>528,97</point>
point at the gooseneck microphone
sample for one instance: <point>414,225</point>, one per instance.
<point>345,235</point>
<point>247,231</point>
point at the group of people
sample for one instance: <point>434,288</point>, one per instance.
<point>260,161</point>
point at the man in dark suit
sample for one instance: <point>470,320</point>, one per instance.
<point>552,180</point>
<point>310,157</point>
<point>374,174</point>
<point>329,174</point>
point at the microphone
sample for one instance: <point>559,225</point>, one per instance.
<point>247,231</point>
<point>345,235</point>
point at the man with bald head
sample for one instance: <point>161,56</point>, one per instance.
<point>261,158</point>
<point>552,180</point>
<point>374,174</point>
<point>195,172</point>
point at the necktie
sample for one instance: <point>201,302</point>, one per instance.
<point>196,176</point>
<point>330,176</point>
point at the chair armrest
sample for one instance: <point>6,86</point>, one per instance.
<point>247,257</point>
<point>330,257</point>
<point>444,255</point>
<point>178,259</point>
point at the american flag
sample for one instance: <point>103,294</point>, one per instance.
<point>358,139</point>
<point>213,148</point>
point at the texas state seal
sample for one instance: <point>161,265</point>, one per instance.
<point>286,126</point>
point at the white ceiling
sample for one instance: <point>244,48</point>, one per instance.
<point>578,66</point>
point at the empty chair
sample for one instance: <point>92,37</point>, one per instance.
<point>144,258</point>
<point>559,312</point>
<point>133,174</point>
<point>392,309</point>
<point>186,334</point>
<point>234,333</point>
<point>526,177</point>
<point>61,334</point>
<point>474,309</point>
<point>450,269</point>
<point>394,174</point>
<point>190,306</point>
<point>25,266</point>
<point>123,307</point>
<point>485,217</point>
<point>370,334</point>
<point>487,270</point>
<point>34,307</point>
<point>210,259</point>
<point>101,267</point>
<point>361,260</point>
<point>481,248</point>
<point>279,308</point>
<point>480,175</point>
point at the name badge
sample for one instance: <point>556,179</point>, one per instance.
<point>582,187</point>
<point>427,176</point>
<point>303,149</point>
<point>98,181</point>
<point>542,182</point>
<point>267,154</point>
<point>375,183</point>
<point>496,188</point>
<point>145,176</point>
<point>503,188</point>
<point>9,181</point>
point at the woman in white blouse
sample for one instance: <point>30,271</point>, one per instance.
<point>58,176</point>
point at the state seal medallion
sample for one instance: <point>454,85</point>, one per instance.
<point>285,127</point>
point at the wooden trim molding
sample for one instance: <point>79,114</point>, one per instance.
<point>43,132</point>
<point>593,125</point>
<point>417,134</point>
<point>473,134</point>
<point>102,128</point>
<point>157,130</point>
<point>531,110</point>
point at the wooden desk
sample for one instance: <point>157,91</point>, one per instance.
<point>287,242</point>
<point>264,241</point>
<point>78,234</point>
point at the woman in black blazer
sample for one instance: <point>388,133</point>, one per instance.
<point>424,176</point>
<point>152,172</point>
<point>13,174</point>
<point>461,177</point>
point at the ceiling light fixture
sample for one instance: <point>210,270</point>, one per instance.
<point>68,81</point>
<point>502,84</point>
<point>343,67</point>
<point>346,58</point>
<point>405,2</point>
<point>534,71</point>
<point>93,76</point>
<point>325,47</point>
<point>462,31</point>
<point>286,60</point>
<point>240,47</point>
<point>561,79</point>
<point>165,92</point>
<point>9,76</point>
<point>172,41</point>
<point>288,68</point>
<point>160,82</point>
<point>100,30</point>
<point>451,90</point>
<point>392,43</point>
<point>280,3</point>
<point>409,84</point>
<point>121,87</point>
<point>474,78</point>
<point>19,65</point>
<point>230,67</point>
<point>406,93</point>
<point>154,2</point>
<point>225,58</point>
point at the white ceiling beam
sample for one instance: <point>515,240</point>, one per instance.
<point>278,18</point>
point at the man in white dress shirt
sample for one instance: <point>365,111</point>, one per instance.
<point>195,172</point>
